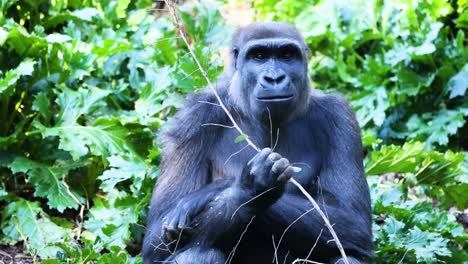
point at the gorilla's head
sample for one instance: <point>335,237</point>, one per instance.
<point>269,67</point>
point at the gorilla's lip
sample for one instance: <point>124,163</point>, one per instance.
<point>275,98</point>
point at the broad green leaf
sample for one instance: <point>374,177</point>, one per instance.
<point>3,36</point>
<point>73,104</point>
<point>122,168</point>
<point>57,38</point>
<point>103,138</point>
<point>458,84</point>
<point>426,245</point>
<point>111,224</point>
<point>25,68</point>
<point>41,104</point>
<point>23,220</point>
<point>86,13</point>
<point>395,159</point>
<point>49,182</point>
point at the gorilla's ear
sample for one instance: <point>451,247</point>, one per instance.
<point>235,54</point>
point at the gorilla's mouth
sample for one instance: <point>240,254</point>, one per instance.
<point>275,98</point>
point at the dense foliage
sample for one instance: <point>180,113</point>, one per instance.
<point>85,85</point>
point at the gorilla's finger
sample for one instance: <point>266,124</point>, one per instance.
<point>173,234</point>
<point>259,156</point>
<point>280,165</point>
<point>274,156</point>
<point>184,221</point>
<point>286,175</point>
<point>262,155</point>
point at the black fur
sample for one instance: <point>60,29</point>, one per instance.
<point>203,195</point>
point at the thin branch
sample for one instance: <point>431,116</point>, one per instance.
<point>235,153</point>
<point>233,252</point>
<point>286,257</point>
<point>210,103</point>
<point>172,10</point>
<point>215,124</point>
<point>275,256</point>
<point>287,228</point>
<point>271,128</point>
<point>190,74</point>
<point>315,244</point>
<point>306,261</point>
<point>277,138</point>
<point>255,197</point>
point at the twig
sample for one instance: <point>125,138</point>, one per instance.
<point>250,200</point>
<point>287,228</point>
<point>172,10</point>
<point>276,141</point>
<point>215,124</point>
<point>307,261</point>
<point>210,103</point>
<point>275,256</point>
<point>235,153</point>
<point>233,252</point>
<point>315,244</point>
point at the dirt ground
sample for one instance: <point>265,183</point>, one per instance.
<point>14,255</point>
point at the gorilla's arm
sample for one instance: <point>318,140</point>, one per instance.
<point>341,189</point>
<point>186,197</point>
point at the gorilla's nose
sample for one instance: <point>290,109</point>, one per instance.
<point>274,79</point>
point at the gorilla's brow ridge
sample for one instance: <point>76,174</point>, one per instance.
<point>270,42</point>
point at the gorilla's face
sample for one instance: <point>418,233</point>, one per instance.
<point>273,76</point>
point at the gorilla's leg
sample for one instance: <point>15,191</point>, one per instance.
<point>197,255</point>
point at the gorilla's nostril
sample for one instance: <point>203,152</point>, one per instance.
<point>269,79</point>
<point>280,78</point>
<point>274,80</point>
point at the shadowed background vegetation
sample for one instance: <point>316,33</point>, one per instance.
<point>85,85</point>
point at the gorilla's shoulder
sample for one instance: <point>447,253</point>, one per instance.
<point>332,103</point>
<point>332,107</point>
<point>193,120</point>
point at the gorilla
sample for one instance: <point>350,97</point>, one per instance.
<point>218,201</point>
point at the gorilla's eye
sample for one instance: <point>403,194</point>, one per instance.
<point>259,55</point>
<point>286,55</point>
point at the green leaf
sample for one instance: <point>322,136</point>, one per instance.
<point>73,104</point>
<point>458,84</point>
<point>23,220</point>
<point>26,67</point>
<point>395,159</point>
<point>111,224</point>
<point>122,168</point>
<point>49,182</point>
<point>41,104</point>
<point>241,138</point>
<point>57,38</point>
<point>426,245</point>
<point>297,169</point>
<point>86,13</point>
<point>104,138</point>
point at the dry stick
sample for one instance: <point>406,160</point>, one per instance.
<point>315,244</point>
<point>172,10</point>
<point>233,252</point>
<point>287,228</point>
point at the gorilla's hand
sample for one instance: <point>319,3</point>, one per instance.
<point>176,223</point>
<point>267,170</point>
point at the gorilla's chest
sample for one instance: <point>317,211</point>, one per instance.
<point>227,158</point>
